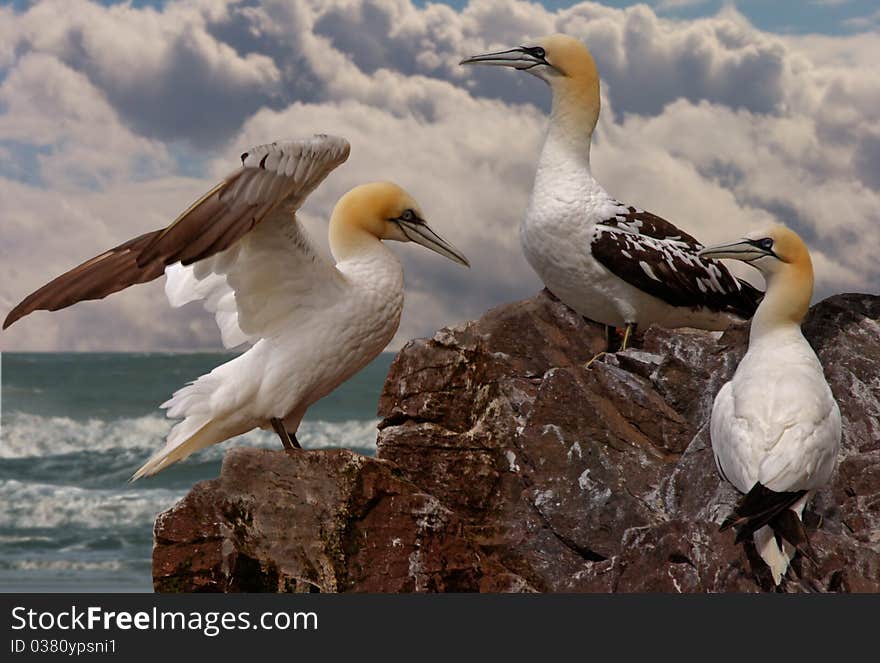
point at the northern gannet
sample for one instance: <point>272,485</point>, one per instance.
<point>775,426</point>
<point>610,262</point>
<point>311,324</point>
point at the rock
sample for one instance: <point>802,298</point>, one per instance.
<point>505,464</point>
<point>327,521</point>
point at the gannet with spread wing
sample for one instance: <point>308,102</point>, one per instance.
<point>311,324</point>
<point>610,262</point>
<point>775,426</point>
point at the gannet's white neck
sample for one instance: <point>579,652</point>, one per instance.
<point>573,118</point>
<point>350,241</point>
<point>786,302</point>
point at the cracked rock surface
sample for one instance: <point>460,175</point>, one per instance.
<point>506,465</point>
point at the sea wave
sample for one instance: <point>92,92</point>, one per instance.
<point>63,565</point>
<point>41,506</point>
<point>26,435</point>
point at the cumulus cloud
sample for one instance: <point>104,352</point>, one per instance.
<point>112,119</point>
<point>161,70</point>
<point>680,4</point>
<point>76,133</point>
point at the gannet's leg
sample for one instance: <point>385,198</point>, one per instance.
<point>294,441</point>
<point>595,358</point>
<point>630,330</point>
<point>289,441</point>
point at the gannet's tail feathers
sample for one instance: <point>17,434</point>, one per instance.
<point>197,431</point>
<point>773,520</point>
<point>758,508</point>
<point>775,553</point>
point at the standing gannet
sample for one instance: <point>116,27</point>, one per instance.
<point>775,426</point>
<point>612,263</point>
<point>311,324</point>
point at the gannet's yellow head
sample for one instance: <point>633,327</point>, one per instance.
<point>564,63</point>
<point>385,211</point>
<point>772,250</point>
<point>783,258</point>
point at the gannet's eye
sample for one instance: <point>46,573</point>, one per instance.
<point>766,243</point>
<point>537,51</point>
<point>409,216</point>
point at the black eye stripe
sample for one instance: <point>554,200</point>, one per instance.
<point>537,51</point>
<point>409,216</point>
<point>765,244</point>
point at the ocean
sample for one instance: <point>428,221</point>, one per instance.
<point>74,427</point>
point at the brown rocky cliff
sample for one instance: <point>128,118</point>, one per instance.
<point>506,465</point>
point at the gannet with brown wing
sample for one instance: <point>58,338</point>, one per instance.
<point>311,323</point>
<point>775,426</point>
<point>613,263</point>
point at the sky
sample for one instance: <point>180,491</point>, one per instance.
<point>722,117</point>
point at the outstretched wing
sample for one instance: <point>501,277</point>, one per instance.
<point>271,177</point>
<point>271,279</point>
<point>656,257</point>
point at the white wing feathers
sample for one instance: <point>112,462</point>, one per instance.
<point>274,277</point>
<point>182,286</point>
<point>779,434</point>
<point>272,270</point>
<point>286,172</point>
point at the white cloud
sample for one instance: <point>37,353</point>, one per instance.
<point>56,109</point>
<point>869,22</point>
<point>666,5</point>
<point>161,70</point>
<point>106,114</point>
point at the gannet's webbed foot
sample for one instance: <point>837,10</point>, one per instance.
<point>287,440</point>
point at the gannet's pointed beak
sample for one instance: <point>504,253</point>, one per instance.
<point>416,230</point>
<point>746,250</point>
<point>518,58</point>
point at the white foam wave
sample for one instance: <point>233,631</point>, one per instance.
<point>27,435</point>
<point>34,505</point>
<point>18,538</point>
<point>61,565</point>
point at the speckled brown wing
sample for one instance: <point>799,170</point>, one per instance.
<point>656,257</point>
<point>273,176</point>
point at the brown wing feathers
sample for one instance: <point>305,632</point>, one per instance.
<point>660,259</point>
<point>213,223</point>
<point>207,227</point>
<point>103,275</point>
